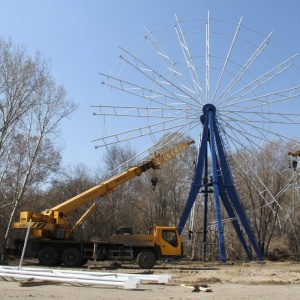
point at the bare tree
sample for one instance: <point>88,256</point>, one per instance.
<point>32,107</point>
<point>72,181</point>
<point>164,204</point>
<point>116,209</point>
<point>270,176</point>
<point>21,78</point>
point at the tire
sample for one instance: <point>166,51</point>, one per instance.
<point>146,259</point>
<point>71,257</point>
<point>48,256</point>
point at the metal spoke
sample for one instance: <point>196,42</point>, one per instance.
<point>141,112</point>
<point>244,69</point>
<point>157,79</point>
<point>260,81</point>
<point>264,117</point>
<point>144,131</point>
<point>189,61</point>
<point>169,63</point>
<point>267,99</point>
<point>226,60</point>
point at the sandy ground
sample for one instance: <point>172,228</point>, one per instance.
<point>262,281</point>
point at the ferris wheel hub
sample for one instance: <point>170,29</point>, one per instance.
<point>208,107</point>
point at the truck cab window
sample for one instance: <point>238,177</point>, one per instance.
<point>170,237</point>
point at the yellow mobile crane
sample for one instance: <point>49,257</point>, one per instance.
<point>53,244</point>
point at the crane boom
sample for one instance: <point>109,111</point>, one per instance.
<point>51,221</point>
<point>112,183</point>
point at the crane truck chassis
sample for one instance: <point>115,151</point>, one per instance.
<point>163,243</point>
<point>53,242</point>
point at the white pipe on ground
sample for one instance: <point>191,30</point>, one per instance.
<point>129,284</point>
<point>69,275</point>
<point>163,278</point>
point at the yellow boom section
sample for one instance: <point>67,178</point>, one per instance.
<point>97,191</point>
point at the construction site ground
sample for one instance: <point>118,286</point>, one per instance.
<point>267,280</point>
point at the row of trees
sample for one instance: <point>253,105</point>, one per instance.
<point>32,177</point>
<point>138,205</point>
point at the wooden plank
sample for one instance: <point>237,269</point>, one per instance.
<point>197,287</point>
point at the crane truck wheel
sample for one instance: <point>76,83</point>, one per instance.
<point>48,256</point>
<point>71,257</point>
<point>146,259</point>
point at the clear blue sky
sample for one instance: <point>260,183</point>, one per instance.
<point>82,37</point>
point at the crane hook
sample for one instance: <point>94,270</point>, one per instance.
<point>294,164</point>
<point>154,181</point>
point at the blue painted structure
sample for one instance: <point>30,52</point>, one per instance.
<point>223,188</point>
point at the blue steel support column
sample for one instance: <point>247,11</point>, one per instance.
<point>197,180</point>
<point>232,215</point>
<point>205,204</point>
<point>211,116</point>
<point>229,186</point>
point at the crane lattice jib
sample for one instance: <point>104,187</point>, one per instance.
<point>111,184</point>
<point>160,158</point>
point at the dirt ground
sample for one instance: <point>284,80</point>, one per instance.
<point>269,280</point>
